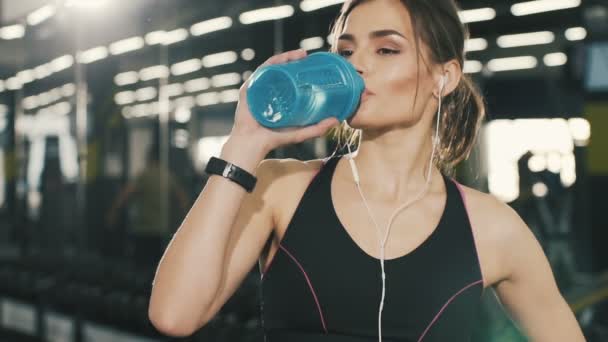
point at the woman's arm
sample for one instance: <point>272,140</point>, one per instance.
<point>529,291</point>
<point>215,247</point>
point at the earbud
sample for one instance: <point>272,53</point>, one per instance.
<point>444,81</point>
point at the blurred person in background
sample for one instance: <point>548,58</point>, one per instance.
<point>146,231</point>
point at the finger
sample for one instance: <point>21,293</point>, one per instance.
<point>286,57</point>
<point>315,130</point>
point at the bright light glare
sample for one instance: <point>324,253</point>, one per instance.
<point>12,32</point>
<point>555,59</point>
<point>512,63</point>
<point>220,58</point>
<point>230,95</point>
<point>125,78</point>
<point>68,89</point>
<point>62,63</point>
<point>264,14</point>
<point>13,83</point>
<point>313,5</point>
<point>145,94</point>
<point>175,36</point>
<point>525,39</point>
<point>551,149</point>
<point>248,54</point>
<point>576,33</point>
<point>40,15</point>
<point>540,189</point>
<point>312,43</point>
<point>186,67</point>
<point>173,90</point>
<point>153,72</point>
<point>539,6</point>
<point>208,147</point>
<point>224,80</point>
<point>182,114</point>
<point>26,76</point>
<point>155,37</point>
<point>126,45</point>
<point>537,163</point>
<point>472,67</point>
<point>580,130</point>
<point>93,55</point>
<point>86,4</point>
<point>124,97</point>
<point>211,25</point>
<point>207,99</point>
<point>43,71</point>
<point>475,15</point>
<point>199,84</point>
<point>475,44</point>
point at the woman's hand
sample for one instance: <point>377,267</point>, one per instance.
<point>245,125</point>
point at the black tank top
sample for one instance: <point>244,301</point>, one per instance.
<point>322,287</point>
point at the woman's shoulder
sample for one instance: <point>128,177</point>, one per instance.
<point>497,228</point>
<point>489,210</point>
<point>291,178</point>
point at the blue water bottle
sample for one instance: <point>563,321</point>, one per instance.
<point>304,92</point>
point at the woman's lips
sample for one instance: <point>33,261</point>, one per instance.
<point>366,94</point>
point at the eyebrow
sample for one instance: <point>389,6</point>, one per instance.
<point>372,35</point>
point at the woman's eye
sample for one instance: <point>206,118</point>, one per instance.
<point>383,51</point>
<point>388,51</point>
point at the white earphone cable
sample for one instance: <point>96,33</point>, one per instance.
<point>381,240</point>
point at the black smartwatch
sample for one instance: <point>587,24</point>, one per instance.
<point>228,170</point>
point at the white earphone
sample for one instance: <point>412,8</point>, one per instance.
<point>382,241</point>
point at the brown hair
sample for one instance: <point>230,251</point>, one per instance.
<point>436,23</point>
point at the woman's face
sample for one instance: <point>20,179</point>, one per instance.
<point>378,39</point>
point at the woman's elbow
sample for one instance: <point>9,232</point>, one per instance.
<point>171,326</point>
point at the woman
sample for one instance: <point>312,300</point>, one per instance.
<point>333,271</point>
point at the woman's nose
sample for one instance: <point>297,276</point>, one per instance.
<point>357,61</point>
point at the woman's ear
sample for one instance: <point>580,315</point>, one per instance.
<point>448,78</point>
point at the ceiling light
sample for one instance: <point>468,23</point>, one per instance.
<point>145,94</point>
<point>247,54</point>
<point>475,44</point>
<point>475,15</point>
<point>40,15</point>
<point>312,43</point>
<point>93,55</point>
<point>555,59</point>
<point>220,58</point>
<point>61,63</point>
<point>175,36</point>
<point>265,14</point>
<point>124,97</point>
<point>125,78</point>
<point>211,25</point>
<point>512,63</point>
<point>539,6</point>
<point>12,32</point>
<point>126,45</point>
<point>186,67</point>
<point>150,73</point>
<point>525,39</point>
<point>195,85</point>
<point>208,99</point>
<point>576,33</point>
<point>313,5</point>
<point>155,37</point>
<point>472,67</point>
<point>224,80</point>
